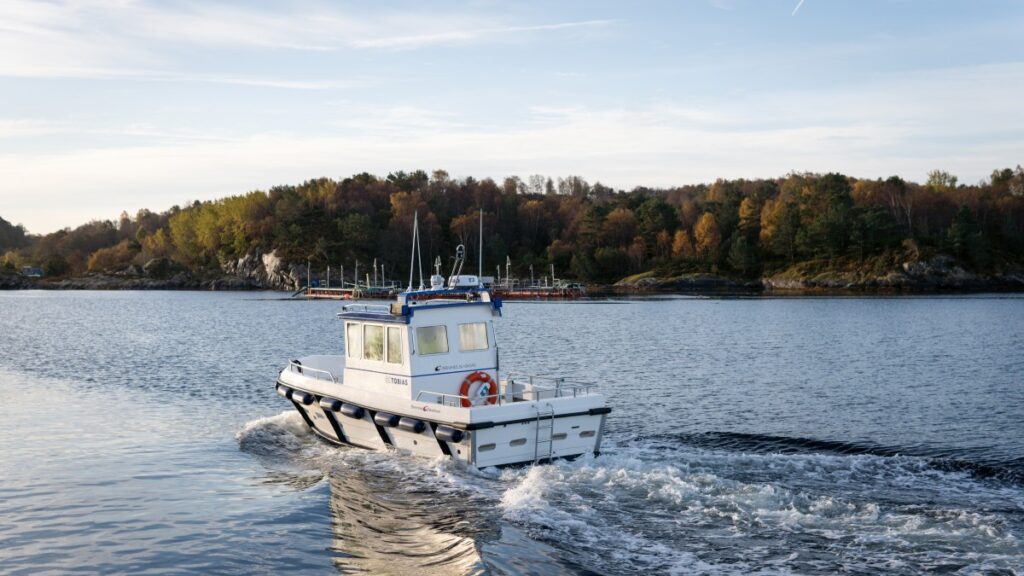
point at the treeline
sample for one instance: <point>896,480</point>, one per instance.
<point>589,232</point>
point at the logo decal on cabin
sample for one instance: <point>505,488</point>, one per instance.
<point>453,367</point>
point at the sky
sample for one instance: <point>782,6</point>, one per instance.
<point>120,105</point>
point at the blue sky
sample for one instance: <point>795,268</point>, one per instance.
<point>111,105</point>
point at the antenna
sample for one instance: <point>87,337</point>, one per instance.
<point>480,251</point>
<point>460,258</point>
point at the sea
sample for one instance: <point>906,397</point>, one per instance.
<point>140,433</point>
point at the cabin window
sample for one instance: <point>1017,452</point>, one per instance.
<point>432,339</point>
<point>352,339</point>
<point>394,345</point>
<point>373,342</point>
<point>473,336</point>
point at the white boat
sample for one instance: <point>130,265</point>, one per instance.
<point>422,376</point>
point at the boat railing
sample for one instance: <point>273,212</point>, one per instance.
<point>540,388</point>
<point>443,398</point>
<point>317,373</point>
<point>552,386</point>
<point>371,308</point>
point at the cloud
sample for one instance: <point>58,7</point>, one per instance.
<point>96,39</point>
<point>895,126</point>
<point>458,36</point>
<point>21,127</point>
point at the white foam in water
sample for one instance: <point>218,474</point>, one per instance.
<point>657,513</point>
<point>650,507</point>
<point>277,435</point>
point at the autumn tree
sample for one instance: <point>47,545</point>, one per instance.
<point>780,226</point>
<point>707,237</point>
<point>619,227</point>
<point>750,218</point>
<point>682,245</point>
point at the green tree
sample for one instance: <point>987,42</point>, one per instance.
<point>825,216</point>
<point>56,265</point>
<point>941,180</point>
<point>965,239</point>
<point>653,216</point>
<point>11,236</point>
<point>743,256</point>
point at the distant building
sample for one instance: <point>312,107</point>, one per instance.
<point>32,272</point>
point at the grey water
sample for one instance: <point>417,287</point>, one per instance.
<point>140,433</point>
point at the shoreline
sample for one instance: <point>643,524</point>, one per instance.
<point>708,288</point>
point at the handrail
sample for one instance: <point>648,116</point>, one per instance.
<point>301,369</point>
<point>554,379</point>
<point>442,398</point>
<point>376,308</point>
<point>561,388</point>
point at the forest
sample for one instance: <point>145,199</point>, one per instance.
<point>589,232</point>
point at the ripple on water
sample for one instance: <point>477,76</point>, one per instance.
<point>747,436</point>
<point>646,507</point>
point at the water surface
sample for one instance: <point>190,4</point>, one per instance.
<point>141,433</point>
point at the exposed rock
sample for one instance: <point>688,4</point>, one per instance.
<point>279,274</point>
<point>266,270</point>
<point>939,273</point>
<point>14,281</point>
<point>158,267</point>
<point>686,283</point>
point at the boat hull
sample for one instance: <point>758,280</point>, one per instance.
<point>564,432</point>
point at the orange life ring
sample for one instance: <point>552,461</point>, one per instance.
<point>490,392</point>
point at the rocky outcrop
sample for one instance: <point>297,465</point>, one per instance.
<point>936,274</point>
<point>253,272</point>
<point>701,283</point>
<point>178,281</point>
<point>940,273</point>
<point>158,268</point>
<point>14,281</point>
<point>281,275</point>
<point>265,270</point>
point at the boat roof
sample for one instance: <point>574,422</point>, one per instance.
<point>402,310</point>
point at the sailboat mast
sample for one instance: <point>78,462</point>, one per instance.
<point>419,254</point>
<point>412,256</point>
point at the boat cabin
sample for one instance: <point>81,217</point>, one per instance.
<point>423,346</point>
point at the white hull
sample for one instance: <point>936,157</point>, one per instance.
<point>518,432</point>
